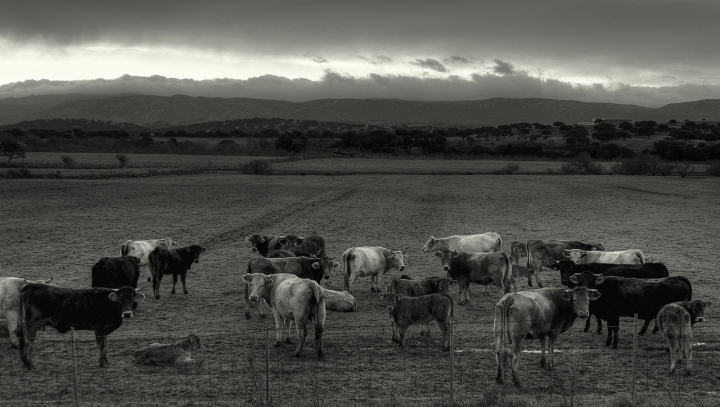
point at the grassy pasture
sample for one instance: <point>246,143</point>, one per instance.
<point>61,228</point>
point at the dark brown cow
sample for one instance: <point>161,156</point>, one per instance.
<point>116,272</point>
<point>175,262</point>
<point>405,311</point>
<point>481,268</point>
<point>676,321</point>
<point>540,314</point>
<point>545,253</point>
<point>99,309</point>
<point>418,288</point>
<point>263,244</point>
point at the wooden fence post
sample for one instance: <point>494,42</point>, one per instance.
<point>635,319</point>
<point>72,338</point>
<point>452,357</point>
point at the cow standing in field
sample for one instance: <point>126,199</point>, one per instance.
<point>418,288</point>
<point>99,309</point>
<point>292,299</point>
<point>480,243</point>
<point>264,244</point>
<point>676,321</point>
<point>313,244</point>
<point>175,262</point>
<point>10,288</point>
<point>625,297</point>
<point>303,267</point>
<point>632,256</point>
<point>405,311</point>
<point>545,253</point>
<point>481,268</point>
<point>541,314</point>
<point>371,261</point>
<point>116,272</point>
<point>142,248</point>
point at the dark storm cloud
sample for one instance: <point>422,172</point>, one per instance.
<point>429,64</point>
<point>316,58</point>
<point>335,85</point>
<point>457,60</point>
<point>503,68</point>
<point>376,60</point>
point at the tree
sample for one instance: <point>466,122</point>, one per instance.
<point>122,158</point>
<point>68,161</point>
<point>711,137</point>
<point>558,124</point>
<point>12,149</point>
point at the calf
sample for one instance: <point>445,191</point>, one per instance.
<point>418,288</point>
<point>292,299</point>
<point>481,268</point>
<point>163,354</point>
<point>303,267</point>
<point>175,262</point>
<point>10,288</point>
<point>540,314</point>
<point>373,261</point>
<point>625,297</point>
<point>675,321</point>
<point>99,309</point>
<point>405,311</point>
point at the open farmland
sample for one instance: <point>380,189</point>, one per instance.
<point>60,228</point>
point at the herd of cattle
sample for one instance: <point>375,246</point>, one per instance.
<point>289,274</point>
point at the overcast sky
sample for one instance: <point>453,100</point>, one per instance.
<point>644,52</point>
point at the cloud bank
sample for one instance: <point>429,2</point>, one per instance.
<point>334,85</point>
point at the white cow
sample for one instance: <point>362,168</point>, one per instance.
<point>142,248</point>
<point>10,288</point>
<point>632,256</point>
<point>481,243</point>
<point>341,301</point>
<point>373,261</point>
<point>292,299</point>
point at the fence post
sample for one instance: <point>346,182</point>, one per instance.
<point>452,357</point>
<point>635,318</point>
<point>72,338</point>
<point>267,363</point>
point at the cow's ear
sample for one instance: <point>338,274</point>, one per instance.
<point>299,240</point>
<point>382,296</point>
<point>247,278</point>
<point>203,249</point>
<point>583,253</point>
<point>139,296</point>
<point>455,253</point>
<point>574,279</point>
<point>566,254</point>
<point>316,265</point>
<point>262,239</point>
<point>283,241</point>
<point>399,296</point>
<point>599,278</point>
<point>453,282</point>
<point>336,265</point>
<point>566,295</point>
<point>113,296</point>
<point>269,281</point>
<point>593,295</point>
<point>438,253</point>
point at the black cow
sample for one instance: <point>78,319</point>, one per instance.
<point>624,297</point>
<point>647,270</point>
<point>277,254</point>
<point>116,272</point>
<point>304,267</point>
<point>418,288</point>
<point>99,309</point>
<point>311,244</point>
<point>263,244</point>
<point>173,261</point>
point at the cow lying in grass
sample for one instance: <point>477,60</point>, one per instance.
<point>163,354</point>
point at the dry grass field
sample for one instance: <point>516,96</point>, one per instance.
<point>60,228</point>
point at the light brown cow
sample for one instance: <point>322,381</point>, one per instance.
<point>675,321</point>
<point>292,299</point>
<point>479,243</point>
<point>10,288</point>
<point>578,256</point>
<point>168,354</point>
<point>373,261</point>
<point>481,268</point>
<point>405,311</point>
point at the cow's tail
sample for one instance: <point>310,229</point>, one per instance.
<point>686,281</point>
<point>154,262</point>
<point>505,320</point>
<point>319,296</point>
<point>347,257</point>
<point>452,305</point>
<point>510,282</point>
<point>498,246</point>
<point>530,263</point>
<point>641,255</point>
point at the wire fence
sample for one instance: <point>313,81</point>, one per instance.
<point>246,368</point>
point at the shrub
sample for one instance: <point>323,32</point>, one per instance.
<point>684,168</point>
<point>639,165</point>
<point>19,173</point>
<point>510,169</point>
<point>714,169</point>
<point>258,167</point>
<point>583,163</point>
<point>68,161</point>
<point>122,158</point>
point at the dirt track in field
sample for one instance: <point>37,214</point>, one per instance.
<point>60,228</point>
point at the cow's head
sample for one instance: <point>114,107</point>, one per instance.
<point>133,259</point>
<point>326,264</point>
<point>166,243</point>
<point>254,241</point>
<point>445,256</point>
<point>598,246</point>
<point>565,268</point>
<point>586,279</point>
<point>429,245</point>
<point>443,284</point>
<point>288,242</point>
<point>575,255</point>
<point>196,250</point>
<point>580,297</point>
<point>696,308</point>
<point>126,297</point>
<point>397,257</point>
<point>193,342</point>
<point>257,282</point>
<point>391,300</point>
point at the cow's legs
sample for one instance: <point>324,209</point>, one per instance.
<point>101,341</point>
<point>279,327</point>
<point>551,340</point>
<point>613,327</point>
<point>378,281</point>
<point>156,285</point>
<point>182,279</point>
<point>174,282</point>
<point>514,354</point>
<point>673,344</point>
<point>288,329</point>
<point>147,270</point>
<point>319,320</point>
<point>445,328</point>
<point>403,331</point>
<point>543,346</point>
<point>395,332</point>
<point>486,289</point>
<point>26,337</point>
<point>350,280</point>
<point>12,318</point>
<point>686,344</point>
<point>301,327</point>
